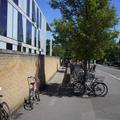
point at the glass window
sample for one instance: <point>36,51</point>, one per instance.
<point>37,17</point>
<point>28,8</point>
<point>9,46</point>
<point>16,2</point>
<point>35,37</point>
<point>3,17</point>
<point>20,28</point>
<point>28,33</point>
<point>19,48</point>
<point>38,39</point>
<point>35,51</point>
<point>40,20</point>
<point>33,11</point>
<point>29,50</point>
<point>24,49</point>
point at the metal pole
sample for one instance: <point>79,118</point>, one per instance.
<point>51,47</point>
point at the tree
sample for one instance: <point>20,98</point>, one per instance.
<point>47,47</point>
<point>62,36</point>
<point>87,25</point>
<point>112,53</point>
<point>58,51</point>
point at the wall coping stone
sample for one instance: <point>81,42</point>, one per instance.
<point>16,53</point>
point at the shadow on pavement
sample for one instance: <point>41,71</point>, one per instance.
<point>59,90</point>
<point>16,115</point>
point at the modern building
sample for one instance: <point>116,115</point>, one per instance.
<point>22,26</point>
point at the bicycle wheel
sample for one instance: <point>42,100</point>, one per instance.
<point>28,104</point>
<point>5,111</point>
<point>79,89</point>
<point>100,89</point>
<point>105,90</point>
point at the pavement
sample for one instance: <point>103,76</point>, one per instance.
<point>57,103</point>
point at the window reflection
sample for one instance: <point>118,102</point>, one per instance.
<point>28,33</point>
<point>37,17</point>
<point>35,37</point>
<point>40,20</point>
<point>3,17</point>
<point>28,8</point>
<point>16,2</point>
<point>33,11</point>
<point>20,28</point>
<point>38,39</point>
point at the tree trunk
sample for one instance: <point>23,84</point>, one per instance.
<point>85,70</point>
<point>88,64</point>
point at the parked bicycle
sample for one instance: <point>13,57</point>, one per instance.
<point>4,109</point>
<point>92,85</point>
<point>33,93</point>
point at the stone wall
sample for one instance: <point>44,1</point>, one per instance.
<point>51,65</point>
<point>14,70</point>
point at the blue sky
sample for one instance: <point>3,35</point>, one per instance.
<point>116,3</point>
<point>52,14</point>
<point>49,13</point>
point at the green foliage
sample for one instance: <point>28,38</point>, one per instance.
<point>62,36</point>
<point>112,53</point>
<point>86,26</point>
<point>58,51</point>
<point>47,47</point>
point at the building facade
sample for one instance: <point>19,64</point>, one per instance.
<point>22,26</point>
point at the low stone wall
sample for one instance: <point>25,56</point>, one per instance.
<point>14,70</point>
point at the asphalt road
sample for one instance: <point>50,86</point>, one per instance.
<point>58,104</point>
<point>109,69</point>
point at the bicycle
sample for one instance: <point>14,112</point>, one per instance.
<point>89,85</point>
<point>4,110</point>
<point>33,94</point>
<point>100,89</point>
<point>94,87</point>
<point>76,81</point>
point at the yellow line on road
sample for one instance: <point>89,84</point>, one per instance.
<point>117,78</point>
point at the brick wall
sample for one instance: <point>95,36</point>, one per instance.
<point>14,70</point>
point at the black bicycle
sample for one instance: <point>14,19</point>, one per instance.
<point>4,110</point>
<point>94,87</point>
<point>89,84</point>
<point>33,94</point>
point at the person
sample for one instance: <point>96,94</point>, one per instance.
<point>94,66</point>
<point>71,66</point>
<point>66,62</point>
